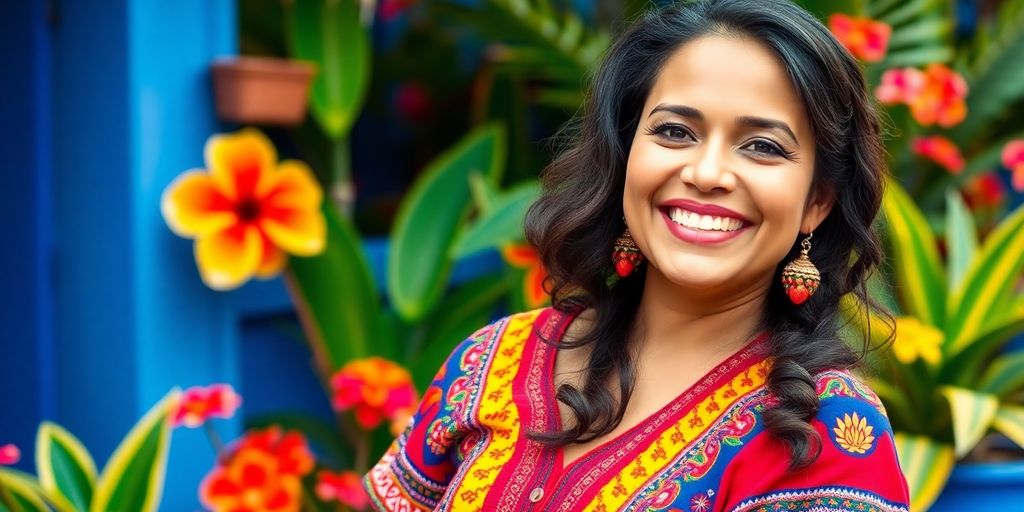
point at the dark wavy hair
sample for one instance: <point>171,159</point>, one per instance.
<point>579,215</point>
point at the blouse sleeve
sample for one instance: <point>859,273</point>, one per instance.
<point>857,469</point>
<point>416,469</point>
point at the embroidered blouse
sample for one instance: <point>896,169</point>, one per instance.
<point>466,447</point>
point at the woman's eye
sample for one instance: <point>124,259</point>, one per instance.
<point>764,147</point>
<point>671,131</point>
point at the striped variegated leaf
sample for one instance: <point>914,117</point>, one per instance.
<point>1005,375</point>
<point>927,465</point>
<point>64,466</point>
<point>972,414</point>
<point>23,491</point>
<point>919,273</point>
<point>1010,421</point>
<point>967,366</point>
<point>986,285</point>
<point>133,478</point>
<point>961,239</point>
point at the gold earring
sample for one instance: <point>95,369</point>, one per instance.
<point>626,254</point>
<point>800,278</point>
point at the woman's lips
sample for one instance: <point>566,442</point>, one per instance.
<point>699,236</point>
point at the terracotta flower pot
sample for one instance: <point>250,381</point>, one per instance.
<point>260,90</point>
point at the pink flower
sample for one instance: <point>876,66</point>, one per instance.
<point>866,38</point>
<point>9,454</point>
<point>943,98</point>
<point>342,487</point>
<point>1013,159</point>
<point>376,388</point>
<point>390,9</point>
<point>900,85</point>
<point>939,150</point>
<point>199,404</point>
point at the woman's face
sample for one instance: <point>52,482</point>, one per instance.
<point>719,173</point>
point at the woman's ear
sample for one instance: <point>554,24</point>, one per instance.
<point>819,204</point>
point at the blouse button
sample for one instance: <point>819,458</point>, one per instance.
<point>537,494</point>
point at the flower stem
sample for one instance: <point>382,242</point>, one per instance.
<point>342,190</point>
<point>215,441</point>
<point>362,461</point>
<point>8,500</point>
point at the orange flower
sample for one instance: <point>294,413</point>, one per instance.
<point>343,487</point>
<point>939,150</point>
<point>1013,159</point>
<point>377,389</point>
<point>866,38</point>
<point>247,211</point>
<point>264,473</point>
<point>198,404</point>
<point>984,191</point>
<point>525,256</point>
<point>9,454</point>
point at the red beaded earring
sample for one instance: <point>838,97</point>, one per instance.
<point>800,278</point>
<point>626,255</point>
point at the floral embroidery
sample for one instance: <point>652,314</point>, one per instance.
<point>701,502</point>
<point>854,434</point>
<point>825,499</point>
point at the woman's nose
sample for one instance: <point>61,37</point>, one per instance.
<point>709,171</point>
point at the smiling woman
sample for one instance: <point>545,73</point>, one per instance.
<point>717,137</point>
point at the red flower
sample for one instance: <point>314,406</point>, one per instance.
<point>390,9</point>
<point>9,454</point>
<point>342,487</point>
<point>1013,159</point>
<point>199,404</point>
<point>525,256</point>
<point>940,150</point>
<point>866,38</point>
<point>412,101</point>
<point>264,473</point>
<point>984,191</point>
<point>377,389</point>
<point>935,96</point>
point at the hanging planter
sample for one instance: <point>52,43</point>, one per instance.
<point>261,90</point>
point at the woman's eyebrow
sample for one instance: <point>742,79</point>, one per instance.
<point>681,110</point>
<point>767,124</point>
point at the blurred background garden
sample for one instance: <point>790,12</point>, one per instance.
<point>242,235</point>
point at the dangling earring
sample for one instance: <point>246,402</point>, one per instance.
<point>626,255</point>
<point>800,278</point>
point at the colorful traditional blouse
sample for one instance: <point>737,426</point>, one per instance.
<point>467,448</point>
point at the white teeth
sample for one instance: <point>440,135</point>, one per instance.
<point>703,222</point>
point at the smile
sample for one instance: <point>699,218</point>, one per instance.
<point>694,220</point>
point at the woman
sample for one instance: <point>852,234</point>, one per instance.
<point>704,372</point>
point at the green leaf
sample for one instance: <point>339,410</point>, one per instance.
<point>996,81</point>
<point>133,478</point>
<point>64,466</point>
<point>23,490</point>
<point>1010,421</point>
<point>965,367</point>
<point>989,280</point>
<point>335,296</point>
<point>469,308</point>
<point>329,34</point>
<point>823,8</point>
<point>972,416</point>
<point>919,273</point>
<point>961,239</point>
<point>927,465</point>
<point>503,224</point>
<point>1005,375</point>
<point>924,32</point>
<point>430,217</point>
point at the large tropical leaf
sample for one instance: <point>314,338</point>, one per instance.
<point>64,466</point>
<point>336,297</point>
<point>967,366</point>
<point>430,217</point>
<point>1005,375</point>
<point>972,414</point>
<point>133,478</point>
<point>996,77</point>
<point>329,34</point>
<point>919,272</point>
<point>991,277</point>
<point>467,309</point>
<point>1010,421</point>
<point>927,465</point>
<point>24,492</point>
<point>502,224</point>
<point>961,240</point>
